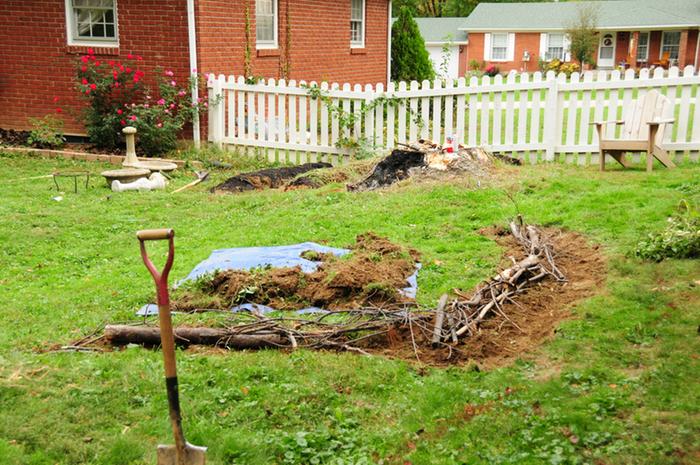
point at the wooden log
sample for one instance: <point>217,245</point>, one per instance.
<point>439,320</point>
<point>150,335</point>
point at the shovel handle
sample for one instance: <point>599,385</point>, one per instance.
<point>155,234</point>
<point>160,277</point>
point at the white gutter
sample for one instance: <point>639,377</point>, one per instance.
<point>606,28</point>
<point>465,42</point>
<point>697,51</point>
<point>388,48</point>
<point>192,36</point>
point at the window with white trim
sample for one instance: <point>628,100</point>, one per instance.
<point>92,22</point>
<point>643,47</point>
<point>266,23</point>
<point>357,23</point>
<point>670,43</point>
<point>499,46</point>
<point>555,47</point>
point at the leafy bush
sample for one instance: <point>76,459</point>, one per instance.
<point>559,66</point>
<point>117,97</point>
<point>680,239</point>
<point>47,132</point>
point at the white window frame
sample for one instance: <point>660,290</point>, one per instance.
<point>562,57</point>
<point>71,30</point>
<point>359,43</point>
<point>663,44</point>
<point>274,43</point>
<point>645,58</point>
<point>491,47</point>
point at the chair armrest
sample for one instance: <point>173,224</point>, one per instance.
<point>619,121</point>
<point>657,122</point>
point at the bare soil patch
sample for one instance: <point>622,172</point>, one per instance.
<point>530,321</point>
<point>269,178</point>
<point>371,275</point>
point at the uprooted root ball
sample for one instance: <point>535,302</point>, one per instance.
<point>371,274</point>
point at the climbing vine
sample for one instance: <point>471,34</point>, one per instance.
<point>247,60</point>
<point>286,59</point>
<point>361,146</point>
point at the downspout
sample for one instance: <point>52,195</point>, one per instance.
<point>388,48</point>
<point>192,36</point>
<point>697,51</point>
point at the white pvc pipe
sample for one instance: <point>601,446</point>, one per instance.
<point>192,36</point>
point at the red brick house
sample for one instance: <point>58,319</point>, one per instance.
<point>342,41</point>
<point>638,33</point>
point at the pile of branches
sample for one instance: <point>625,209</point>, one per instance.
<point>356,330</point>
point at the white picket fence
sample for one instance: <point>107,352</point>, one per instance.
<point>527,115</point>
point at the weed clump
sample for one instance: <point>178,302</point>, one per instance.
<point>680,238</point>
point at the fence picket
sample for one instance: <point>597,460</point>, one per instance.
<point>413,107</point>
<point>390,116</point>
<point>231,117</point>
<point>459,131</point>
<point>425,111</point>
<point>378,126</point>
<point>509,136</point>
<point>473,107</point>
<point>324,115</point>
<point>449,127</point>
<point>522,110</point>
<point>524,113</point>
<point>437,114</point>
<point>335,122</point>
<point>484,104</point>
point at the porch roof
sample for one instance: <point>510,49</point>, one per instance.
<point>612,15</point>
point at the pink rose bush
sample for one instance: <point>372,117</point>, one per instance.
<point>118,96</point>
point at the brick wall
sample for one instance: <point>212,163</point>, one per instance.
<point>37,64</point>
<point>320,41</point>
<point>529,41</point>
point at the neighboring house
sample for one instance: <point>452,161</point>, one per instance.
<point>637,32</point>
<point>341,41</point>
<point>446,44</point>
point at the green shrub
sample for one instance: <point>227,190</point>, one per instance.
<point>680,239</point>
<point>46,132</point>
<point>117,97</point>
<point>409,58</point>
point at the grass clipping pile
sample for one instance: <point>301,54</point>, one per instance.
<point>544,271</point>
<point>371,275</point>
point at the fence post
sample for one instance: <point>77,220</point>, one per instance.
<point>550,116</point>
<point>216,111</point>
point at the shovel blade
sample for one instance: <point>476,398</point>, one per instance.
<point>194,455</point>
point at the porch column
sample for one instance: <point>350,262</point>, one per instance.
<point>683,49</point>
<point>632,49</point>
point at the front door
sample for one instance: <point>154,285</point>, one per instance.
<point>606,50</point>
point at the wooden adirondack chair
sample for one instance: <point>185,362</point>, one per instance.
<point>643,131</point>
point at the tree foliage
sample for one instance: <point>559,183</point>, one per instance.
<point>428,8</point>
<point>583,34</point>
<point>409,58</point>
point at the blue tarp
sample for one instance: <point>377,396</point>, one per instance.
<point>246,258</point>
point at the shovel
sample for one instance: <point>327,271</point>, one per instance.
<point>201,176</point>
<point>182,453</point>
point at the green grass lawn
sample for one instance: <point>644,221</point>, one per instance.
<point>618,384</point>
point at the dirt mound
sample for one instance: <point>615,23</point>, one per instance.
<point>269,178</point>
<point>527,323</point>
<point>371,275</point>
